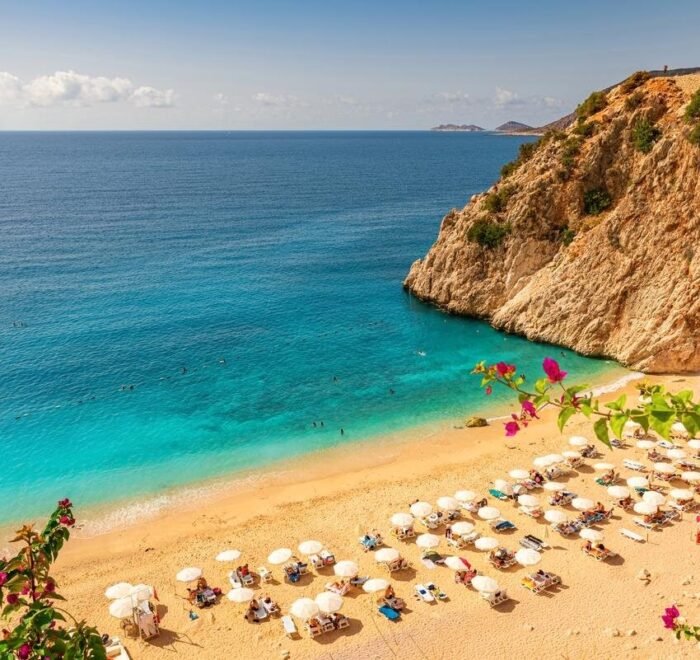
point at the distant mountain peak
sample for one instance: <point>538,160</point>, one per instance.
<point>466,128</point>
<point>512,127</point>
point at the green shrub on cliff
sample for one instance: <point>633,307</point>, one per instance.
<point>525,152</point>
<point>595,201</point>
<point>567,236</point>
<point>634,100</point>
<point>634,81</point>
<point>692,111</point>
<point>644,134</point>
<point>570,149</point>
<point>694,135</point>
<point>585,128</point>
<point>487,233</point>
<point>496,201</point>
<point>594,103</point>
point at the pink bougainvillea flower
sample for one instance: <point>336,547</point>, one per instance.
<point>11,599</point>
<point>670,616</point>
<point>551,368</point>
<point>67,521</point>
<point>504,369</point>
<point>3,577</point>
<point>24,651</point>
<point>489,389</point>
<point>65,504</point>
<point>529,408</point>
<point>50,587</point>
<point>511,429</point>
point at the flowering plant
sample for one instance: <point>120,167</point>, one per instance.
<point>28,598</point>
<point>657,409</point>
<point>674,621</point>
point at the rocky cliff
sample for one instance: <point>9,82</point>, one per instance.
<point>591,239</point>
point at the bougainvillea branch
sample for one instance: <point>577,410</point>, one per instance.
<point>674,621</point>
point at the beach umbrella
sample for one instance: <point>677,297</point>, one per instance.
<point>141,592</point>
<point>386,555</point>
<point>694,443</point>
<point>119,590</point>
<point>456,563</point>
<point>304,608</point>
<point>676,454</point>
<point>630,427</point>
<point>310,547</point>
<point>592,535</point>
<point>554,486</point>
<point>346,569</point>
<point>638,482</point>
<point>528,500</point>
<point>682,494</point>
<point>427,541</point>
<point>448,503</point>
<point>555,458</point>
<point>462,527</point>
<point>488,513</point>
<point>329,602</point>
<point>402,520</point>
<point>582,503</point>
<point>228,555</point>
<point>421,509</point>
<point>679,428</point>
<point>691,477</point>
<point>189,574</point>
<point>504,486</point>
<point>374,585</point>
<point>645,444</point>
<point>484,584</point>
<point>571,453</point>
<point>645,508</point>
<point>664,468</point>
<point>554,516</point>
<point>486,543</point>
<point>122,608</point>
<point>519,474</point>
<point>465,495</point>
<point>619,492</point>
<point>279,556</point>
<point>542,461</point>
<point>578,441</point>
<point>528,557</point>
<point>603,467</point>
<point>240,595</point>
<point>653,498</point>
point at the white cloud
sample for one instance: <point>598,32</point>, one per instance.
<point>276,100</point>
<point>220,99</point>
<point>505,98</point>
<point>77,89</point>
<point>453,98</point>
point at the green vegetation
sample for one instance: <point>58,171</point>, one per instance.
<point>567,235</point>
<point>634,81</point>
<point>595,201</point>
<point>497,201</point>
<point>692,111</point>
<point>594,103</point>
<point>527,150</point>
<point>570,150</point>
<point>644,134</point>
<point>585,128</point>
<point>694,135</point>
<point>634,100</point>
<point>487,233</point>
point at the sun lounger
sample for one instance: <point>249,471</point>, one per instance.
<point>433,556</point>
<point>533,543</point>
<point>148,626</point>
<point>683,506</point>
<point>633,536</point>
<point>371,541</point>
<point>436,591</point>
<point>116,650</point>
<point>423,594</point>
<point>290,628</point>
<point>568,528</point>
<point>265,574</point>
<point>495,599</point>
<point>651,525</point>
<point>563,498</point>
<point>328,558</point>
<point>403,533</point>
<point>313,627</point>
<point>539,581</point>
<point>235,580</point>
<point>431,522</point>
<point>341,621</point>
<point>554,472</point>
<point>501,559</point>
<point>531,511</point>
<point>634,465</point>
<point>498,494</point>
<point>390,613</point>
<point>261,613</point>
<point>597,554</point>
<point>666,444</point>
<point>340,588</point>
<point>501,525</point>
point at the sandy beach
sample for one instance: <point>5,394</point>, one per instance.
<point>601,610</point>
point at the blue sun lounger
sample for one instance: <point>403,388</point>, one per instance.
<point>390,613</point>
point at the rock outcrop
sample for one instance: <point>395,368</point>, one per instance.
<point>591,240</point>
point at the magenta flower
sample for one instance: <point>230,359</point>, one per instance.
<point>504,369</point>
<point>3,577</point>
<point>24,651</point>
<point>670,616</point>
<point>489,389</point>
<point>529,408</point>
<point>67,521</point>
<point>65,504</point>
<point>511,429</point>
<point>551,368</point>
<point>11,599</point>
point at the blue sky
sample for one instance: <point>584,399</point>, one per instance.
<point>302,65</point>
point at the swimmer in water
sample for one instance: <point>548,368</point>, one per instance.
<point>184,370</point>
<point>342,431</point>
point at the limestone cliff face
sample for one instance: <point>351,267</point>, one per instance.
<point>628,285</point>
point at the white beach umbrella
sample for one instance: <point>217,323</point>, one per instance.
<point>374,585</point>
<point>542,462</point>
<point>664,468</point>
<point>462,527</point>
<point>310,547</point>
<point>645,509</point>
<point>386,555</point>
<point>679,428</point>
<point>694,443</point>
<point>488,513</point>
<point>645,444</point>
<point>141,592</point>
<point>329,602</point>
<point>528,557</point>
<point>228,555</point>
<point>122,608</point>
<point>691,477</point>
<point>592,535</point>
<point>346,569</point>
<point>528,500</point>
<point>582,503</point>
<point>519,474</point>
<point>466,495</point>
<point>448,503</point>
<point>555,458</point>
<point>189,574</point>
<point>486,543</point>
<point>653,498</point>
<point>119,590</point>
<point>455,563</point>
<point>682,494</point>
<point>555,516</point>
<point>638,482</point>
<point>304,608</point>
<point>554,486</point>
<point>619,492</point>
<point>485,585</point>
<point>421,509</point>
<point>279,556</point>
<point>603,467</point>
<point>504,486</point>
<point>427,541</point>
<point>401,520</point>
<point>578,441</point>
<point>676,454</point>
<point>240,595</point>
<point>630,427</point>
<point>571,453</point>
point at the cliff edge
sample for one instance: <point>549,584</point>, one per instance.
<point>591,238</point>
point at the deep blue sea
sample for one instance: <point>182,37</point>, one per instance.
<point>178,306</point>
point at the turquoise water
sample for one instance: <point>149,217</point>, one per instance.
<point>246,285</point>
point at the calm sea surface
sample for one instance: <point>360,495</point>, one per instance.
<point>177,306</point>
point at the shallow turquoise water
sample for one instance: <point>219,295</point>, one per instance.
<point>229,277</point>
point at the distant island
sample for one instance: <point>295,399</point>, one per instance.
<point>513,127</point>
<point>466,128</point>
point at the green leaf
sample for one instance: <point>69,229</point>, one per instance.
<point>618,404</point>
<point>601,431</point>
<point>661,422</point>
<point>541,386</point>
<point>564,416</point>
<point>617,422</point>
<point>691,421</point>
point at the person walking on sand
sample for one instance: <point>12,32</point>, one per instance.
<point>448,532</point>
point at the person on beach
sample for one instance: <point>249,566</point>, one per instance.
<point>448,532</point>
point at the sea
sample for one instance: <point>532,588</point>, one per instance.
<point>183,306</point>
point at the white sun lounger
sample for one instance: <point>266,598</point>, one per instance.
<point>290,628</point>
<point>265,574</point>
<point>423,594</point>
<point>633,536</point>
<point>116,650</point>
<point>495,599</point>
<point>634,465</point>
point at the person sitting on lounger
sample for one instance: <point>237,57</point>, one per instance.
<point>536,477</point>
<point>599,508</point>
<point>482,503</point>
<point>625,503</point>
<point>243,571</point>
<point>588,451</point>
<point>655,456</point>
<point>588,546</point>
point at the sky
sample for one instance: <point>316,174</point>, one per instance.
<point>323,64</point>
